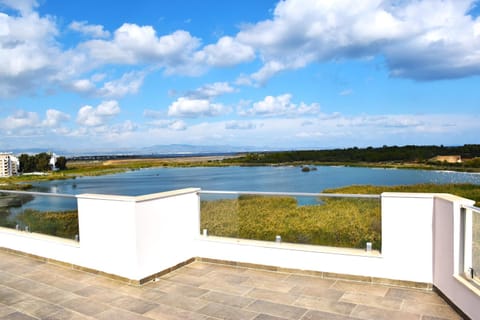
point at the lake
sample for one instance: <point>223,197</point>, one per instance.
<point>269,178</point>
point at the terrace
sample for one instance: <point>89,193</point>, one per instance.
<point>156,261</point>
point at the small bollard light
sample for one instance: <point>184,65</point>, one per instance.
<point>17,227</point>
<point>368,247</point>
<point>205,232</point>
<point>77,238</point>
<point>278,239</point>
<point>26,229</point>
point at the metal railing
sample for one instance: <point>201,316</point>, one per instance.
<point>342,220</point>
<point>53,214</point>
<point>471,248</point>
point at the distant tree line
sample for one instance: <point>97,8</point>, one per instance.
<point>408,153</point>
<point>40,162</point>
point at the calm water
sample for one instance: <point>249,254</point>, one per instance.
<point>281,179</point>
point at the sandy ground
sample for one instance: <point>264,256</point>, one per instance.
<point>172,160</point>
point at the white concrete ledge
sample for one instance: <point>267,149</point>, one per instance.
<point>148,197</point>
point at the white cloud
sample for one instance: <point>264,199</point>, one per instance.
<point>28,50</point>
<point>54,118</point>
<point>240,125</point>
<point>24,6</point>
<point>129,83</point>
<point>346,92</point>
<point>91,30</point>
<point>226,52</point>
<point>281,106</point>
<point>211,90</point>
<point>429,39</point>
<point>21,119</point>
<point>82,86</point>
<point>95,117</point>
<point>176,125</point>
<point>191,108</point>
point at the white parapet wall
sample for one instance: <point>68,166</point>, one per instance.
<point>137,237</point>
<point>128,237</point>
<point>406,253</point>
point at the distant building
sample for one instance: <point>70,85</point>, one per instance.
<point>53,162</point>
<point>9,165</point>
<point>448,159</point>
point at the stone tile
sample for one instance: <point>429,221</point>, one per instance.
<point>118,314</point>
<point>267,317</point>
<point>273,296</point>
<point>318,292</point>
<point>165,312</point>
<point>435,310</point>
<point>64,314</point>
<point>185,303</point>
<point>36,307</point>
<point>5,310</point>
<point>370,313</point>
<point>180,289</point>
<point>225,287</point>
<point>226,312</point>
<point>186,279</point>
<point>17,316</point>
<point>373,301</point>
<point>133,304</point>
<point>228,299</point>
<point>311,281</point>
<point>279,286</point>
<point>228,277</point>
<point>277,309</point>
<point>326,305</point>
<point>85,306</point>
<point>266,275</point>
<point>9,296</point>
<point>321,315</point>
<point>415,295</point>
<point>366,288</point>
<point>99,293</point>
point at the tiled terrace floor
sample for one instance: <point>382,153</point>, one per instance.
<point>31,289</point>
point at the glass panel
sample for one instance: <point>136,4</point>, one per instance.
<point>476,245</point>
<point>340,222</point>
<point>46,214</point>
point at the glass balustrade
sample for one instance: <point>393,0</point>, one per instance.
<point>304,218</point>
<point>52,214</point>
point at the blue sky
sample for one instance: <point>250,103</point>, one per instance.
<point>294,74</point>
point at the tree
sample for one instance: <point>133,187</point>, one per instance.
<point>61,163</point>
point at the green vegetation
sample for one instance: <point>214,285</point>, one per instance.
<point>336,222</point>
<point>466,190</point>
<point>421,157</point>
<point>40,162</point>
<point>59,223</point>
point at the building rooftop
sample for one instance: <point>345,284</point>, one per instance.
<point>35,289</point>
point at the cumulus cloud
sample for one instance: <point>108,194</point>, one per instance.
<point>240,125</point>
<point>25,123</point>
<point>93,117</point>
<point>91,30</point>
<point>28,49</point>
<point>55,117</point>
<point>281,106</point>
<point>176,125</point>
<point>211,90</point>
<point>429,39</point>
<point>24,6</point>
<point>226,52</point>
<point>129,83</point>
<point>192,108</point>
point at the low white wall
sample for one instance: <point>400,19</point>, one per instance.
<point>447,256</point>
<point>130,237</point>
<point>406,237</point>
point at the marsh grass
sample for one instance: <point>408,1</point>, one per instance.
<point>58,223</point>
<point>336,222</point>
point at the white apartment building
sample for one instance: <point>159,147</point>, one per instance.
<point>9,165</point>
